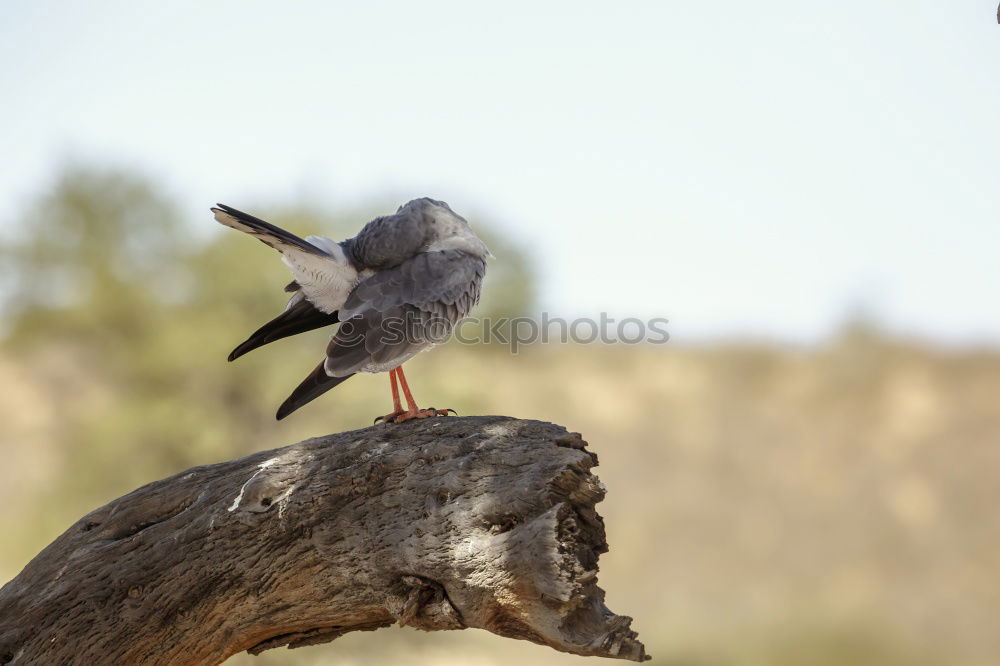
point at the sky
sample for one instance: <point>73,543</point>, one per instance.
<point>764,169</point>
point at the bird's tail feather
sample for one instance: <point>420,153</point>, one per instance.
<point>265,232</point>
<point>313,386</point>
<point>299,318</point>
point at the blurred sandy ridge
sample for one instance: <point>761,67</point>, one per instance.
<point>767,505</point>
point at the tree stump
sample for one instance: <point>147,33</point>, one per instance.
<point>442,523</point>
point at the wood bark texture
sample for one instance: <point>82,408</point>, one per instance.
<point>443,523</point>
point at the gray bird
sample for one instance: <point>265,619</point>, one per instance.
<point>397,289</point>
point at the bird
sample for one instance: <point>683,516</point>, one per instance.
<point>395,289</point>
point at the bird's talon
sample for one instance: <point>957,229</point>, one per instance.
<point>389,418</point>
<point>402,417</point>
<point>433,411</point>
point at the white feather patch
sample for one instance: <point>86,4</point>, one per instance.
<point>325,281</point>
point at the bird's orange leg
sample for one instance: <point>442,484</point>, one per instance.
<point>397,408</point>
<point>411,404</point>
<point>412,411</point>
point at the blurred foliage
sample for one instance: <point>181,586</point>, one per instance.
<point>766,507</point>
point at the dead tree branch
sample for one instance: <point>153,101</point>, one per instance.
<point>440,524</point>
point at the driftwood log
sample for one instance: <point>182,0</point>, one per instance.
<point>443,523</point>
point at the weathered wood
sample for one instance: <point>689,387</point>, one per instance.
<point>439,524</point>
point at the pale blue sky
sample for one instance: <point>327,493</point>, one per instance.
<point>757,168</point>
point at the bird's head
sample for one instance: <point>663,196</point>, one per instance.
<point>446,229</point>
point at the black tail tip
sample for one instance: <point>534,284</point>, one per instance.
<point>242,348</point>
<point>287,407</point>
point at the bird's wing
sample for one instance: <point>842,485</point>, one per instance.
<point>319,265</point>
<point>300,316</point>
<point>313,386</point>
<point>395,314</point>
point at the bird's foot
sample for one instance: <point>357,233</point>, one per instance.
<point>389,418</point>
<point>402,417</point>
